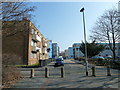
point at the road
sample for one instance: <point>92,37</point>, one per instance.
<point>74,77</point>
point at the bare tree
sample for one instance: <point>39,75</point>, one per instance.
<point>15,11</point>
<point>12,13</point>
<point>106,29</point>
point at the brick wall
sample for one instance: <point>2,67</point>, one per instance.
<point>15,42</point>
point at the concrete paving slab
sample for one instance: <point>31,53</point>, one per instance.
<point>74,77</point>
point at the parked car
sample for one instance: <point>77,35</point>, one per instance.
<point>108,57</point>
<point>98,57</point>
<point>118,57</point>
<point>59,61</point>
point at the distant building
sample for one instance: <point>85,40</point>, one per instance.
<point>118,49</point>
<point>58,51</point>
<point>119,27</point>
<point>44,48</point>
<point>119,6</point>
<point>107,50</point>
<point>50,49</point>
<point>70,53</point>
<point>76,51</point>
<point>66,53</point>
<point>55,50</point>
<point>62,54</point>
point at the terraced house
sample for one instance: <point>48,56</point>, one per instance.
<point>22,40</point>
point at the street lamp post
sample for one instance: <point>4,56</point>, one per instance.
<point>82,10</point>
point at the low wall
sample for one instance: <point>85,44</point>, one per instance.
<point>45,62</point>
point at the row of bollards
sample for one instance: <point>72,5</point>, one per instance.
<point>108,71</point>
<point>62,72</point>
<point>47,72</point>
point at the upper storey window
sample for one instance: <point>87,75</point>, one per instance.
<point>32,31</point>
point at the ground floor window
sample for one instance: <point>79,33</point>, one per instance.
<point>33,55</point>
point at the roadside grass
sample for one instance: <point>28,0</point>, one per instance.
<point>29,66</point>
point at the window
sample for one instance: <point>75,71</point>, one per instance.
<point>33,55</point>
<point>38,44</point>
<point>35,32</point>
<point>32,42</point>
<point>35,44</point>
<point>32,31</point>
<point>77,49</point>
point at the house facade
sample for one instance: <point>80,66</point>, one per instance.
<point>70,53</point>
<point>24,40</point>
<point>107,50</point>
<point>66,54</point>
<point>76,51</point>
<point>55,50</point>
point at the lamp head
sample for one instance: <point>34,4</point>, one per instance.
<point>82,10</point>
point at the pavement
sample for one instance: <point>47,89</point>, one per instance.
<point>74,77</point>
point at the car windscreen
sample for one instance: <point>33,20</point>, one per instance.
<point>58,59</point>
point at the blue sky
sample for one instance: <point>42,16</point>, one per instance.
<point>62,21</point>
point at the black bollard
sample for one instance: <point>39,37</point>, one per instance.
<point>32,73</point>
<point>108,71</point>
<point>62,72</point>
<point>46,72</point>
<point>93,71</point>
